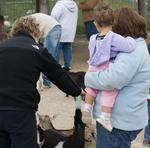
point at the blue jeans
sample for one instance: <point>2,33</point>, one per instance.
<point>51,42</point>
<point>90,29</point>
<point>66,48</point>
<point>18,129</point>
<point>115,139</point>
<point>147,129</point>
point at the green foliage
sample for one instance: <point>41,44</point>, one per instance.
<point>121,3</point>
<point>80,26</point>
<point>148,21</point>
<point>14,9</point>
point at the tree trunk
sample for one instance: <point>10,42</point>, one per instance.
<point>141,7</point>
<point>42,6</point>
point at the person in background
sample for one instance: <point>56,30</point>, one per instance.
<point>22,61</point>
<point>103,49</point>
<point>146,141</point>
<point>130,74</point>
<point>66,13</point>
<point>50,34</point>
<point>1,27</point>
<point>87,7</point>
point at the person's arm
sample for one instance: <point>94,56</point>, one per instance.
<point>88,5</point>
<point>123,44</point>
<point>117,75</point>
<point>91,46</point>
<point>58,75</point>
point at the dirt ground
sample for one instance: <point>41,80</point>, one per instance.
<point>61,109</point>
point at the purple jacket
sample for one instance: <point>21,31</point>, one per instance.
<point>102,50</point>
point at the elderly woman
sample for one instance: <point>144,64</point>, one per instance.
<point>130,74</point>
<point>22,60</point>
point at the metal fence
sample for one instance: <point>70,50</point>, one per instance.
<point>51,4</point>
<point>16,8</point>
<point>13,9</point>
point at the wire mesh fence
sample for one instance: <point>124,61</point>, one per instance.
<point>16,8</point>
<point>13,9</point>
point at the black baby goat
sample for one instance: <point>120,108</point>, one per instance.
<point>78,78</point>
<point>52,138</point>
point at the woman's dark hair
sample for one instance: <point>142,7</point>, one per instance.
<point>129,23</point>
<point>103,15</point>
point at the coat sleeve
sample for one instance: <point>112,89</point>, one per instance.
<point>57,75</point>
<point>123,44</point>
<point>91,45</point>
<point>117,75</point>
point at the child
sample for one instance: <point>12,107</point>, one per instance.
<point>103,49</point>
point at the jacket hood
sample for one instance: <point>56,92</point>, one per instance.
<point>69,4</point>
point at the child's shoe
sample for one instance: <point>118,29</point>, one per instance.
<point>86,113</point>
<point>105,122</point>
<point>86,117</point>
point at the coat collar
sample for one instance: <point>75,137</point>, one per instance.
<point>21,33</point>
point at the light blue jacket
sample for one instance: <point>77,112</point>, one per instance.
<point>130,73</point>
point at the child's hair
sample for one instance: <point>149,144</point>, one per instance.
<point>26,24</point>
<point>103,15</point>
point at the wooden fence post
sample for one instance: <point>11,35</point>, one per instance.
<point>42,6</point>
<point>141,7</point>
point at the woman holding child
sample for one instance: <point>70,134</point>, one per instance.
<point>129,74</point>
